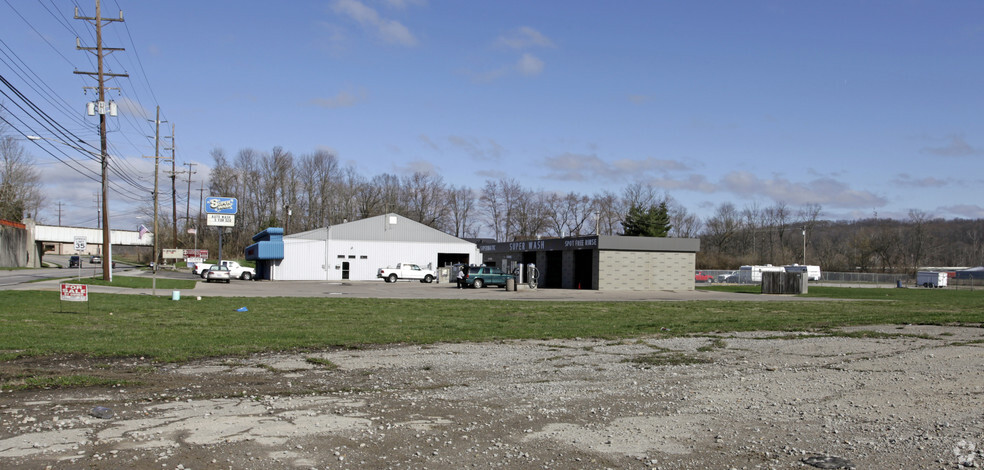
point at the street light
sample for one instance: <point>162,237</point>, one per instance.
<point>804,246</point>
<point>104,163</point>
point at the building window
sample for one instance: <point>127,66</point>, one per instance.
<point>341,256</point>
<point>363,257</point>
<point>351,256</point>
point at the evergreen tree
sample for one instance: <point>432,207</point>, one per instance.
<point>651,222</point>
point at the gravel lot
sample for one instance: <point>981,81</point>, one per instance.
<point>909,397</point>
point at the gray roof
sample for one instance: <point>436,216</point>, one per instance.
<point>609,242</point>
<point>387,227</point>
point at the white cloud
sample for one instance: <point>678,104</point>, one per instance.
<point>581,167</point>
<point>343,99</point>
<point>418,166</point>
<point>524,37</point>
<point>388,30</point>
<point>825,191</point>
<point>529,65</point>
<point>132,108</point>
<point>477,149</point>
<point>403,4</point>
<point>424,139</point>
<point>970,211</point>
<point>905,179</point>
<point>956,146</point>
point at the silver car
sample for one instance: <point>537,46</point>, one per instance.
<point>217,273</point>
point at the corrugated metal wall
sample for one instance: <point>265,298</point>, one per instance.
<point>304,260</point>
<point>364,258</point>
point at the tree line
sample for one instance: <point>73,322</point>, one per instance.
<point>305,192</point>
<point>300,193</point>
<point>779,235</point>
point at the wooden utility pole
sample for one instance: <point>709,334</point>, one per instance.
<point>103,108</point>
<point>201,204</point>
<point>188,201</point>
<point>174,192</point>
<point>157,162</point>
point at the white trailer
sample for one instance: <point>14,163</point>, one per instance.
<point>812,271</point>
<point>931,278</point>
<point>753,274</point>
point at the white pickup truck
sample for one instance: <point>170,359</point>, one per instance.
<point>235,270</point>
<point>408,271</point>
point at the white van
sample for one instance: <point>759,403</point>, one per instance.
<point>753,274</point>
<point>812,271</point>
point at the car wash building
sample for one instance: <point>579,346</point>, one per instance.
<point>355,250</point>
<point>600,262</point>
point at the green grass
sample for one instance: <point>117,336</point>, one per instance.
<point>133,282</point>
<point>36,323</point>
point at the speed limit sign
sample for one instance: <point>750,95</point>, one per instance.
<point>80,243</point>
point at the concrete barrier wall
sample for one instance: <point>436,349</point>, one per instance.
<point>13,247</point>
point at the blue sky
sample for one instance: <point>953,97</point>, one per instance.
<point>864,107</point>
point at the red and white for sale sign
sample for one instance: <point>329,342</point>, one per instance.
<point>75,292</point>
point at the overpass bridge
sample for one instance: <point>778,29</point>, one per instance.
<point>24,244</point>
<point>61,240</point>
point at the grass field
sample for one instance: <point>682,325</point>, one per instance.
<point>34,323</point>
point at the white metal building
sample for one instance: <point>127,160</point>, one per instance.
<point>356,250</point>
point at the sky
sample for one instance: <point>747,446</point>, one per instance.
<point>867,108</point>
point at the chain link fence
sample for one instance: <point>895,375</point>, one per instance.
<point>719,276</point>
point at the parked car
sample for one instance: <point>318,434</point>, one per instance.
<point>96,259</point>
<point>701,277</point>
<point>481,276</point>
<point>217,273</point>
<point>728,277</point>
<point>235,270</point>
<point>74,261</point>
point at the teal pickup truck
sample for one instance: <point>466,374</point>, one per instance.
<point>481,276</point>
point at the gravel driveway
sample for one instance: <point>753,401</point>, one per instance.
<point>907,397</point>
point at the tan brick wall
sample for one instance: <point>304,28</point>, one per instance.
<point>634,270</point>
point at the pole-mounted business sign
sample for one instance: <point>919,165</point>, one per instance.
<point>221,205</point>
<point>221,211</point>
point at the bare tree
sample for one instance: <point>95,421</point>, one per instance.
<point>608,213</point>
<point>424,198</point>
<point>20,181</point>
<point>530,214</point>
<point>319,179</point>
<point>461,205</point>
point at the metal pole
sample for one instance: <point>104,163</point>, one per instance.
<point>804,246</point>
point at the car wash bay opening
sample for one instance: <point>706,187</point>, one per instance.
<point>601,262</point>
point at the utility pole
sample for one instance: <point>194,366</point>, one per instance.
<point>174,191</point>
<point>804,246</point>
<point>98,211</point>
<point>157,163</point>
<point>101,105</point>
<point>201,204</point>
<point>59,213</point>
<point>188,201</point>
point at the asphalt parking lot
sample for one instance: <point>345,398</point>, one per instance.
<point>404,290</point>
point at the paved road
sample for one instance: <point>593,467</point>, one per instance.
<point>400,290</point>
<point>15,279</point>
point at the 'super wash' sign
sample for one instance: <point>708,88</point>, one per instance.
<point>75,292</point>
<point>221,205</point>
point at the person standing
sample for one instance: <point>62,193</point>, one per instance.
<point>461,276</point>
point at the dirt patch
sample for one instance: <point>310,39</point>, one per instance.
<point>896,397</point>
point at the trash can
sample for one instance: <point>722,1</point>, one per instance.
<point>176,295</point>
<point>511,284</point>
